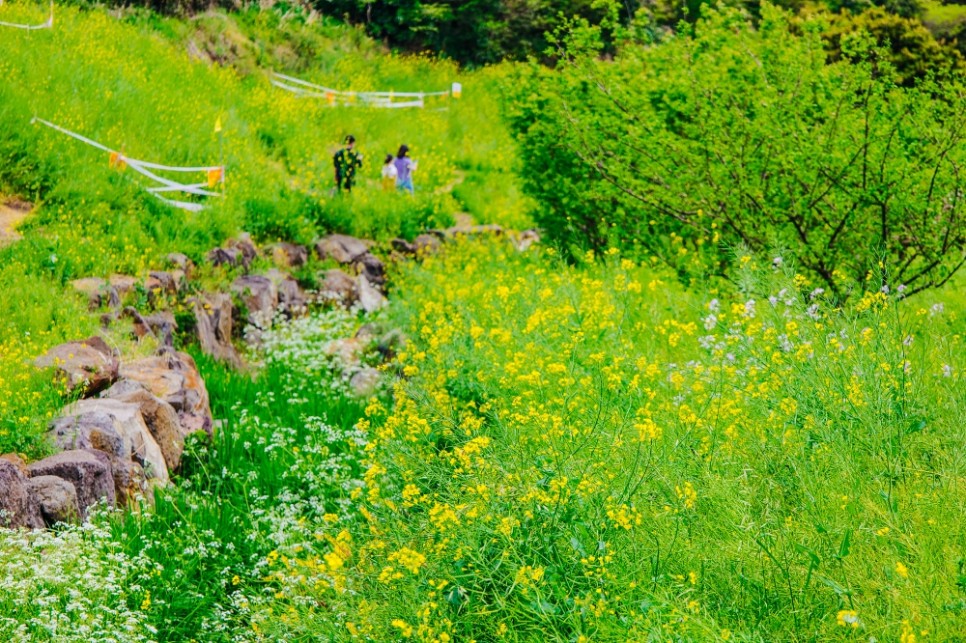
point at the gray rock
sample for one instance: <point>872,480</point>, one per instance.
<point>364,382</point>
<point>124,387</point>
<point>370,299</point>
<point>342,248</point>
<point>427,243</point>
<point>90,430</point>
<point>98,291</point>
<point>160,325</point>
<point>88,471</point>
<point>347,353</point>
<point>130,482</point>
<point>159,416</point>
<point>174,378</point>
<point>373,269</point>
<point>403,246</point>
<point>339,288</point>
<point>243,244</point>
<point>90,365</point>
<point>56,498</point>
<point>524,240</point>
<point>17,461</point>
<point>161,281</point>
<point>123,284</point>
<point>260,296</point>
<point>291,298</point>
<point>17,507</point>
<point>226,257</point>
<point>180,261</point>
<point>213,314</point>
<point>289,255</point>
<point>138,444</point>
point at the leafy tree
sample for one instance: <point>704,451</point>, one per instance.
<point>910,48</point>
<point>470,31</point>
<point>733,136</point>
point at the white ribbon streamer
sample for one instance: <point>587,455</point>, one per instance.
<point>306,89</point>
<point>48,24</point>
<point>144,168</point>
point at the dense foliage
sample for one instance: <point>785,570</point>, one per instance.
<point>734,136</point>
<point>478,31</point>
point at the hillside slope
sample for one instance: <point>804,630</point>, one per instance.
<point>154,89</point>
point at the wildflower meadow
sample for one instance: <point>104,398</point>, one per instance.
<point>613,394</point>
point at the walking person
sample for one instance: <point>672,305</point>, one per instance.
<point>389,173</point>
<point>347,162</point>
<point>404,170</point>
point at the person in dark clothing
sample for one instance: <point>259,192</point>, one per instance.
<point>347,161</point>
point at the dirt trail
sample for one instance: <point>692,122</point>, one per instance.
<point>12,212</point>
<point>463,220</point>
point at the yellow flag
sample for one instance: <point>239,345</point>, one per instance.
<point>216,176</point>
<point>217,124</point>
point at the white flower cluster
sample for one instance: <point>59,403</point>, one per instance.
<point>70,585</point>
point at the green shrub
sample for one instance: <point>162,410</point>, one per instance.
<point>733,136</point>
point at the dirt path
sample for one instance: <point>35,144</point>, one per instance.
<point>463,220</point>
<point>12,212</point>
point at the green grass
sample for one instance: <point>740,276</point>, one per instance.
<point>572,452</point>
<point>273,471</point>
<point>131,84</point>
<point>584,454</point>
<point>943,16</point>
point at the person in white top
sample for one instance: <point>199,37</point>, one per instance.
<point>389,173</point>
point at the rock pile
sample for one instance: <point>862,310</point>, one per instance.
<point>114,447</point>
<point>126,434</point>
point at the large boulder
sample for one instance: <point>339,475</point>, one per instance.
<point>525,239</point>
<point>124,285</point>
<point>163,282</point>
<point>373,270</point>
<point>213,314</point>
<point>89,365</point>
<point>174,378</point>
<point>89,472</point>
<point>288,255</point>
<point>17,507</point>
<point>370,299</point>
<point>56,498</point>
<point>226,257</point>
<point>93,430</point>
<point>339,288</point>
<point>138,444</point>
<point>130,482</point>
<point>291,298</point>
<point>260,296</point>
<point>159,416</point>
<point>342,248</point>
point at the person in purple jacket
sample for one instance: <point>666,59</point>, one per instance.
<point>404,170</point>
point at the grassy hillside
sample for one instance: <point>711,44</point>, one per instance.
<point>573,451</point>
<point>141,86</point>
